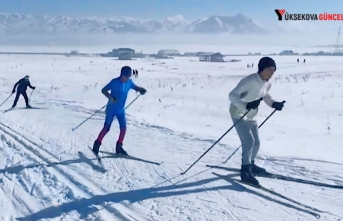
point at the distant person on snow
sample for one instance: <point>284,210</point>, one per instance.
<point>119,88</point>
<point>21,90</point>
<point>246,96</point>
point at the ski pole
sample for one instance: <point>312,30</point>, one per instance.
<point>215,142</point>
<point>30,95</point>
<point>132,101</point>
<point>258,127</point>
<point>6,99</point>
<point>99,111</point>
<point>218,140</point>
<point>88,118</point>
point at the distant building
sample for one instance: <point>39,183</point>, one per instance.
<point>74,53</point>
<point>163,53</point>
<point>198,54</point>
<point>338,52</point>
<point>216,57</point>
<point>190,54</point>
<point>159,56</point>
<point>204,56</point>
<point>125,56</point>
<point>288,52</point>
<point>118,51</point>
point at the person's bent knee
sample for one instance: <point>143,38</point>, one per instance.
<point>107,126</point>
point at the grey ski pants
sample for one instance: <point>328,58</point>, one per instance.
<point>248,134</point>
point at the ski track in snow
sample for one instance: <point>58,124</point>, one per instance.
<point>33,188</point>
<point>73,183</point>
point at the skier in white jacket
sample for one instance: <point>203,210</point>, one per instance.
<point>247,96</point>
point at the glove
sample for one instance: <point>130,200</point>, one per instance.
<point>142,91</point>
<point>13,91</point>
<point>33,88</point>
<point>278,105</point>
<point>253,104</point>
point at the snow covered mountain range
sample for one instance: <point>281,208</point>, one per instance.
<point>25,24</point>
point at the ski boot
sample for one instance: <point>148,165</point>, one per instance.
<point>28,106</point>
<point>256,170</point>
<point>119,149</point>
<point>247,176</point>
<point>96,147</point>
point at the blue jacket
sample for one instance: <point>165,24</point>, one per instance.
<point>119,91</point>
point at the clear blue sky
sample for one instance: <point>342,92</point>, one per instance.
<point>259,10</point>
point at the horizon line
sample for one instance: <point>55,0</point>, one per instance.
<point>97,16</point>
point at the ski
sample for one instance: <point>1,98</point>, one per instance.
<point>139,159</point>
<point>298,180</point>
<point>224,168</point>
<point>97,157</point>
<point>12,108</point>
<point>282,177</point>
<point>267,190</point>
<point>38,108</point>
<point>22,108</point>
<point>130,157</point>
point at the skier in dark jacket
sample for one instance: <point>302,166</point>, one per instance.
<point>21,90</point>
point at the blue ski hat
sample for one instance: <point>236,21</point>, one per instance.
<point>126,71</point>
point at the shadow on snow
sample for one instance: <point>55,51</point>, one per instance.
<point>86,207</point>
<point>82,159</point>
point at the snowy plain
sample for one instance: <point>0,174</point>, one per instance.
<point>183,113</point>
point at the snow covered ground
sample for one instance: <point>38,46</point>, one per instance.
<point>184,112</point>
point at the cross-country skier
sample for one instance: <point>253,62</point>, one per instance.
<point>247,96</point>
<point>135,73</point>
<point>119,88</point>
<point>21,90</point>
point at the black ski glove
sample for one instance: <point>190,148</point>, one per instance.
<point>141,90</point>
<point>253,104</point>
<point>278,105</point>
<point>33,88</point>
<point>13,91</point>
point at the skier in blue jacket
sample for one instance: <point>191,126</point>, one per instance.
<point>119,88</point>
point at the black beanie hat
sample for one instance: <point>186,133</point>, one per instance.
<point>126,71</point>
<point>266,62</point>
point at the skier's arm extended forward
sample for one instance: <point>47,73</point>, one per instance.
<point>141,90</point>
<point>29,84</point>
